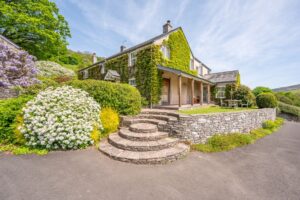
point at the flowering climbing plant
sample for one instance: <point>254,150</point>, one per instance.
<point>17,68</point>
<point>61,118</point>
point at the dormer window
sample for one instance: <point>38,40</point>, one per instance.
<point>165,51</point>
<point>132,59</point>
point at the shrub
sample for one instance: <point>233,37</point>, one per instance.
<point>229,90</point>
<point>10,109</point>
<point>266,100</point>
<point>16,68</point>
<point>123,98</point>
<point>269,124</point>
<point>286,108</point>
<point>52,69</point>
<point>61,118</point>
<point>110,120</point>
<point>258,90</point>
<point>36,88</point>
<point>244,94</point>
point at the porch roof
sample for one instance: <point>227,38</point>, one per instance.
<point>183,74</point>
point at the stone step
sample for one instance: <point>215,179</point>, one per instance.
<point>159,112</point>
<point>143,128</point>
<point>122,143</point>
<point>161,125</point>
<point>159,117</point>
<point>148,157</point>
<point>127,134</point>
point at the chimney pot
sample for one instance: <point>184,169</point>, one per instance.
<point>122,48</point>
<point>167,27</point>
<point>94,58</point>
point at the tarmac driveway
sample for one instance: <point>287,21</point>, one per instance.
<point>268,169</point>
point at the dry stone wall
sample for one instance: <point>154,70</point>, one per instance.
<point>198,128</point>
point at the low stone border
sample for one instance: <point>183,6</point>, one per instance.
<point>199,127</point>
<point>8,93</point>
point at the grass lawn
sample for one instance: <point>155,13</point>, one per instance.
<point>230,141</point>
<point>212,109</point>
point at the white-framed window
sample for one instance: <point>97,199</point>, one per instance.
<point>132,81</point>
<point>85,74</point>
<point>200,70</point>
<point>165,51</point>
<point>102,68</point>
<point>220,94</point>
<point>192,64</point>
<point>132,58</point>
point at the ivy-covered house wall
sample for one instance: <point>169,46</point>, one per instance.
<point>145,71</point>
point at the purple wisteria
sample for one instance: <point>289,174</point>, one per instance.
<point>17,68</point>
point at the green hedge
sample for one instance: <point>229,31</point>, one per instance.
<point>9,109</point>
<point>286,108</point>
<point>122,97</point>
<point>266,100</point>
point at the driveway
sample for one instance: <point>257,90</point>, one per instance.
<point>268,169</point>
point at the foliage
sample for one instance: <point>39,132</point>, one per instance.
<point>286,108</point>
<point>212,109</point>
<point>291,97</point>
<point>20,150</point>
<point>95,134</point>
<point>148,78</point>
<point>16,68</point>
<point>269,124</point>
<point>226,142</point>
<point>37,26</point>
<point>266,100</point>
<point>61,118</point>
<point>110,120</point>
<point>238,80</point>
<point>260,89</point>
<point>244,94</point>
<point>123,98</point>
<point>19,137</point>
<point>10,109</point>
<point>52,69</point>
<point>36,88</point>
<point>229,90</point>
<point>180,53</point>
<point>76,60</point>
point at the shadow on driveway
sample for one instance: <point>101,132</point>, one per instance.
<point>268,169</point>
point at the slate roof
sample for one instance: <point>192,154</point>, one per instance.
<point>10,42</point>
<point>114,73</point>
<point>222,77</point>
<point>147,42</point>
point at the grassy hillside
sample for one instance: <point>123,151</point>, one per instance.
<point>76,60</point>
<point>289,102</point>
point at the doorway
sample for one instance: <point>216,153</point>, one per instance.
<point>166,91</point>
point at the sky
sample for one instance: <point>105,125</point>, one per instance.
<point>260,38</point>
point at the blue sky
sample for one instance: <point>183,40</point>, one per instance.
<point>259,38</point>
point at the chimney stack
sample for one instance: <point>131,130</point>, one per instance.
<point>122,48</point>
<point>94,58</point>
<point>167,27</point>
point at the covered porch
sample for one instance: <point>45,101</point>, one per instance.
<point>183,91</point>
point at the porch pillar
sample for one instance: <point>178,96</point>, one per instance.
<point>208,93</point>
<point>192,93</point>
<point>179,91</point>
<point>201,92</point>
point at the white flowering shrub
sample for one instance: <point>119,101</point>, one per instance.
<point>61,118</point>
<point>52,69</point>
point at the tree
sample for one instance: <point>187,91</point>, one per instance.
<point>16,68</point>
<point>34,25</point>
<point>260,89</point>
<point>244,94</point>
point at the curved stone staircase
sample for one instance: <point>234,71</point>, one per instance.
<point>144,139</point>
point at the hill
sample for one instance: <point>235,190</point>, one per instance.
<point>287,88</point>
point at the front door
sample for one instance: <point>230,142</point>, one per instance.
<point>166,91</point>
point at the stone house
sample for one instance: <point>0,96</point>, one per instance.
<point>184,79</point>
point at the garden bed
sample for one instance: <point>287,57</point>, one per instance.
<point>212,109</point>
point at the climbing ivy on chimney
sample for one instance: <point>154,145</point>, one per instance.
<point>180,53</point>
<point>148,77</point>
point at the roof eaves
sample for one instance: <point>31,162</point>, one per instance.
<point>10,42</point>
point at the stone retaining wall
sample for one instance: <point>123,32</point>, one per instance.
<point>197,128</point>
